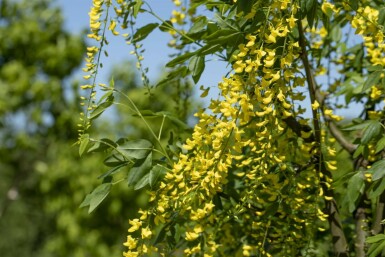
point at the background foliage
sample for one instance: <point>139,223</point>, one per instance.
<point>43,180</point>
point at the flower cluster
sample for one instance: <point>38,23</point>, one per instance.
<point>366,24</point>
<point>91,64</point>
<point>243,137</point>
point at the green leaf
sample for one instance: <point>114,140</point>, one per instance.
<point>175,121</point>
<point>225,39</point>
<point>380,145</point>
<point>137,7</point>
<point>219,33</point>
<point>336,33</point>
<point>98,195</point>
<point>376,189</point>
<point>166,26</point>
<point>353,4</point>
<point>371,131</point>
<point>375,239</point>
<point>209,49</point>
<point>140,169</point>
<point>359,126</point>
<point>85,138</point>
<point>137,149</point>
<point>156,173</point>
<point>376,249</point>
<point>113,170</point>
<point>377,170</point>
<point>100,109</point>
<point>372,80</point>
<point>86,201</point>
<point>114,160</point>
<point>356,186</point>
<point>161,234</point>
<point>102,145</point>
<point>381,17</point>
<point>180,59</point>
<point>144,31</point>
<point>179,72</point>
<point>144,181</point>
<point>311,11</point>
<point>199,25</point>
<point>244,6</point>
<point>197,66</point>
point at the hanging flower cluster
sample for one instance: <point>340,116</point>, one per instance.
<point>366,24</point>
<point>243,134</point>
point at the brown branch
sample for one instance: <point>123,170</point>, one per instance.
<point>341,139</point>
<point>339,240</point>
<point>315,94</point>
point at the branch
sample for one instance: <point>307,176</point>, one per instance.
<point>339,240</point>
<point>315,94</point>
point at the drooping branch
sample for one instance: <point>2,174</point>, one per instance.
<point>339,240</point>
<point>315,94</point>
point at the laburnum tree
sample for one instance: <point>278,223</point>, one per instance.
<point>270,168</point>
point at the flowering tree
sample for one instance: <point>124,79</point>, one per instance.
<point>270,168</point>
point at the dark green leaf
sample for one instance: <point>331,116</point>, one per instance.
<point>209,49</point>
<point>114,160</point>
<point>140,169</point>
<point>142,182</point>
<point>137,149</point>
<point>377,170</point>
<point>198,25</point>
<point>196,66</point>
<point>166,26</point>
<point>372,80</point>
<point>156,173</point>
<point>180,59</point>
<point>113,170</point>
<point>161,234</point>
<point>100,109</point>
<point>353,4</point>
<point>144,31</point>
<point>244,6</point>
<point>102,145</point>
<point>311,11</point>
<point>219,33</point>
<point>98,195</point>
<point>377,188</point>
<point>371,131</point>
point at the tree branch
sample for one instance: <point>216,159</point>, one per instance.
<point>339,240</point>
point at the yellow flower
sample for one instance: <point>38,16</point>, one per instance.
<point>315,105</point>
<point>131,254</point>
<point>146,232</point>
<point>194,234</point>
<point>135,225</point>
<point>130,243</point>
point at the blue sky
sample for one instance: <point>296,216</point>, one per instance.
<point>76,18</point>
